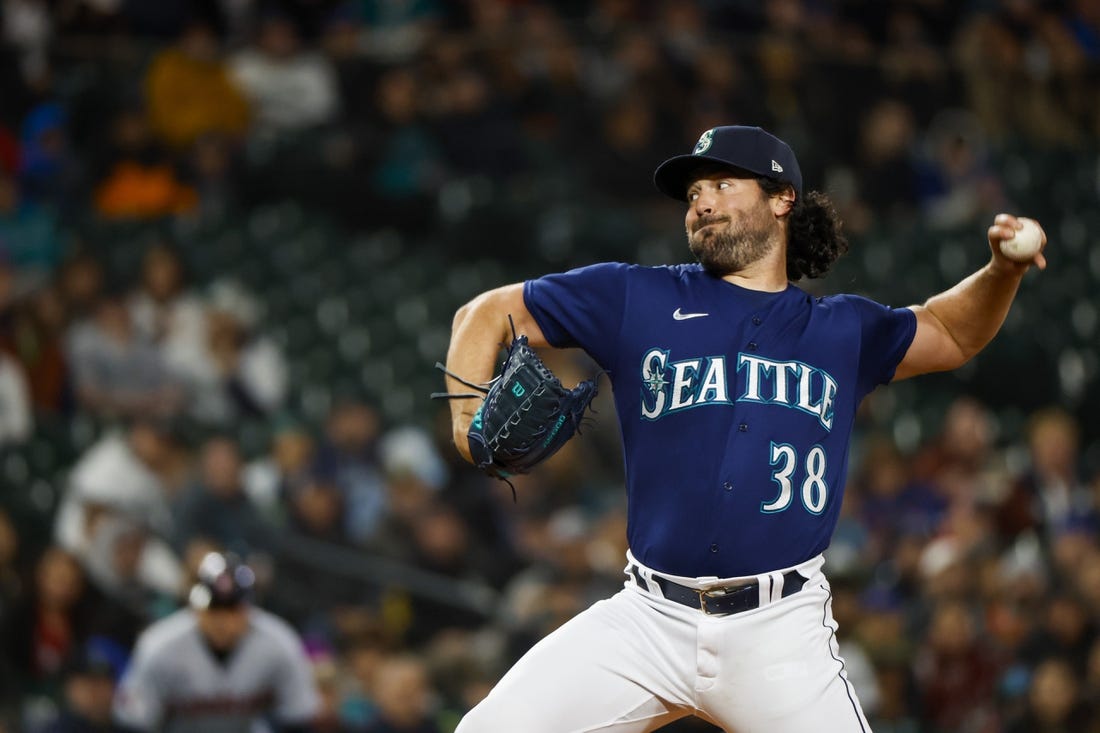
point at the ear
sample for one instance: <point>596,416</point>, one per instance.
<point>782,203</point>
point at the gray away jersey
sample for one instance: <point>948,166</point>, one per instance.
<point>176,685</point>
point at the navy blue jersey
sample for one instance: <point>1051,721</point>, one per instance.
<point>736,406</point>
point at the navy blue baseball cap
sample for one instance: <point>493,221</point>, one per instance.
<point>749,148</point>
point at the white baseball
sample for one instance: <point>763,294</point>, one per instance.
<point>1026,244</point>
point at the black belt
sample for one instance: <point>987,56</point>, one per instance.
<point>719,601</point>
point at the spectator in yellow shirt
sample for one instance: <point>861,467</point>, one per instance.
<point>190,93</point>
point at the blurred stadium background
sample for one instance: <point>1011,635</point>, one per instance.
<point>233,234</point>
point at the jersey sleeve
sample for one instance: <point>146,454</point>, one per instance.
<point>296,696</point>
<point>139,700</point>
<point>885,336</point>
<point>583,307</point>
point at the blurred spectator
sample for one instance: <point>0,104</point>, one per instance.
<point>347,456</point>
<point>116,372</point>
<point>213,163</point>
<point>560,580</point>
<point>1051,496</point>
<point>310,592</point>
<point>290,88</point>
<point>409,450</point>
<point>913,67</point>
<point>850,551</point>
<point>440,543</point>
<point>894,713</point>
<point>956,184</point>
<point>477,134</point>
<point>628,132</point>
<point>343,42</point>
<point>406,164</point>
<point>463,669</point>
<point>89,689</point>
<point>723,90</point>
<point>634,64</point>
<point>888,176</point>
<point>326,675</point>
<point>190,93</point>
<point>164,310</point>
<point>118,548</point>
<point>125,476</point>
<point>48,170</point>
<point>363,656</point>
<point>33,334</point>
<point>1021,48</point>
<point>403,693</point>
<point>80,282</point>
<point>48,625</point>
<point>136,178</point>
<point>1065,631</point>
<point>269,480</point>
<point>29,239</point>
<point>216,507</point>
<point>1053,702</point>
<point>956,460</point>
<point>16,417</point>
<point>397,30</point>
<point>891,504</point>
<point>235,340</point>
<point>27,26</point>
<point>317,510</point>
<point>956,672</point>
<point>62,320</point>
<point>235,371</point>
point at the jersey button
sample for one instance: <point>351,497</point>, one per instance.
<point>756,320</point>
<point>727,486</point>
<point>752,346</point>
<point>743,427</point>
<point>714,548</point>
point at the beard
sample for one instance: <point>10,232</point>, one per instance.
<point>723,250</point>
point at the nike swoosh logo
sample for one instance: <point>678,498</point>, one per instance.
<point>685,316</point>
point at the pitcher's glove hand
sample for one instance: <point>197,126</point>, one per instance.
<point>527,414</point>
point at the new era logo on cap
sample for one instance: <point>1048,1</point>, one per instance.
<point>736,146</point>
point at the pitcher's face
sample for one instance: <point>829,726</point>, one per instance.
<point>729,223</point>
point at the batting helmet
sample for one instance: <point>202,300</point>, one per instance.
<point>223,582</point>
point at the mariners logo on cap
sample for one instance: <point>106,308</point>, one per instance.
<point>704,142</point>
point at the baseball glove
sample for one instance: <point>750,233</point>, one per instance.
<point>526,416</point>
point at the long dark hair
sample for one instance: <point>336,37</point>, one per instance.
<point>815,233</point>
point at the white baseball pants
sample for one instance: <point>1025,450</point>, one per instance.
<point>636,661</point>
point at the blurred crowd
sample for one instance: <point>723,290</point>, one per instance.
<point>966,571</point>
<point>370,108</point>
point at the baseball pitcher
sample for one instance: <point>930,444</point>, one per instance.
<point>736,392</point>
